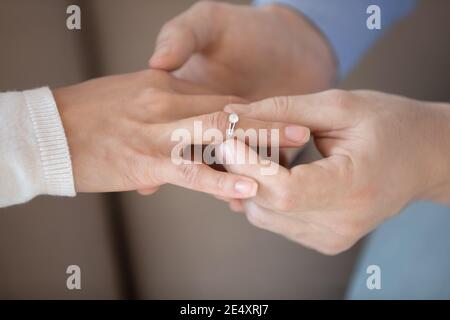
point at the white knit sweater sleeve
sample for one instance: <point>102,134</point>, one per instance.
<point>34,155</point>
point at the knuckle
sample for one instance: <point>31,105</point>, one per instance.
<point>335,94</point>
<point>217,120</point>
<point>344,236</point>
<point>136,171</point>
<point>340,99</point>
<point>211,11</point>
<point>158,103</point>
<point>348,229</point>
<point>163,100</point>
<point>257,219</point>
<point>168,29</point>
<point>281,105</point>
<point>285,199</point>
<point>189,174</point>
<point>146,95</point>
<point>221,182</point>
<point>335,247</point>
<point>285,202</point>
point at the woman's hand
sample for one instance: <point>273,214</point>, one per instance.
<point>119,133</point>
<point>381,152</point>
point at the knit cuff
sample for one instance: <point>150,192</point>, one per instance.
<point>52,143</point>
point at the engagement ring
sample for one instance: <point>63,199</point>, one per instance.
<point>233,119</point>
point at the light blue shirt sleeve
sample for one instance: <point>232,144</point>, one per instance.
<point>343,23</point>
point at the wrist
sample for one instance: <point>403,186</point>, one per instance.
<point>437,163</point>
<point>62,98</point>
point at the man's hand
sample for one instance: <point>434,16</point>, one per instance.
<point>119,133</point>
<point>246,51</point>
<point>380,153</point>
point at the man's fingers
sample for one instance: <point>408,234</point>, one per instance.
<point>240,159</point>
<point>329,110</point>
<point>148,191</point>
<point>275,222</point>
<point>224,199</point>
<point>181,37</point>
<point>310,235</point>
<point>212,128</point>
<point>236,205</point>
<point>200,177</point>
<point>301,192</point>
<point>318,187</point>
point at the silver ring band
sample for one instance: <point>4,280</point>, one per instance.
<point>233,119</point>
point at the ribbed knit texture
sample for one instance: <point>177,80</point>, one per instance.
<point>52,142</point>
<point>34,155</point>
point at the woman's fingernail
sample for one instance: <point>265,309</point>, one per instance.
<point>297,134</point>
<point>246,188</point>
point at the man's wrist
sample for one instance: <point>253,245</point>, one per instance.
<point>438,163</point>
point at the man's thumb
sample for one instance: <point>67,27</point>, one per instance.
<point>173,48</point>
<point>183,36</point>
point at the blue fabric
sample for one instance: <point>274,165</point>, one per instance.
<point>413,252</point>
<point>343,23</point>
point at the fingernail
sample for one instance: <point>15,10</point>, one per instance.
<point>246,188</point>
<point>297,134</point>
<point>237,108</point>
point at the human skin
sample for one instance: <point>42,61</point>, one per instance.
<point>381,152</point>
<point>119,133</point>
<point>246,51</point>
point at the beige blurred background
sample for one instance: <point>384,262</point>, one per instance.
<point>175,244</point>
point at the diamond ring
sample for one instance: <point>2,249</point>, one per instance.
<point>233,120</point>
